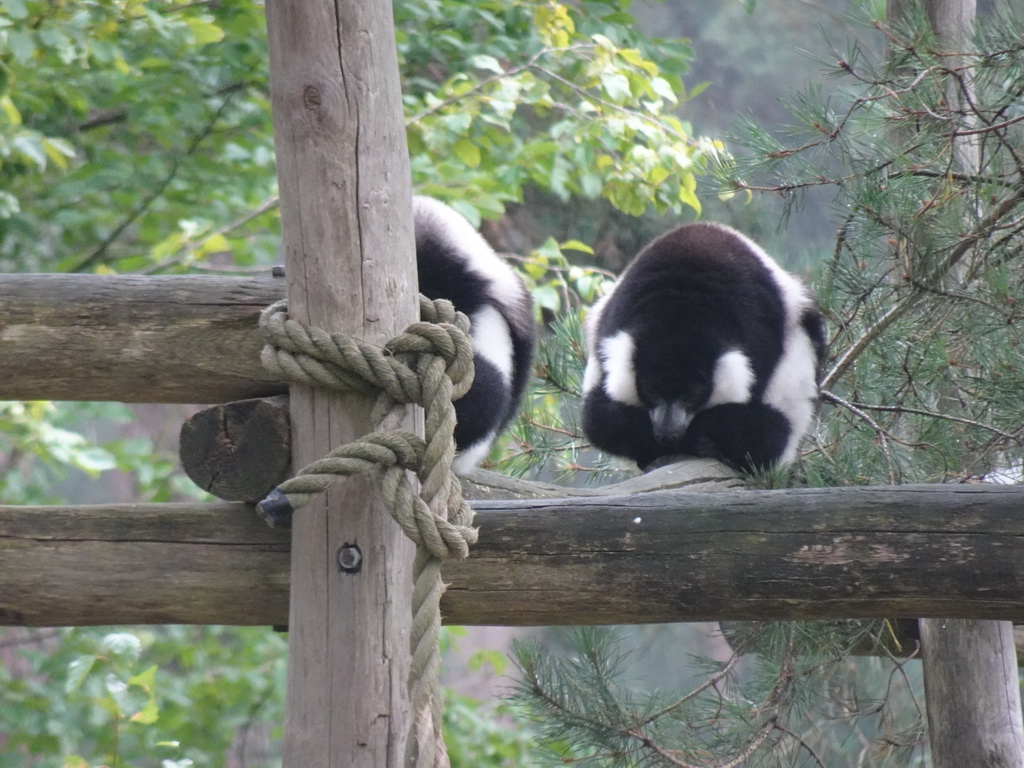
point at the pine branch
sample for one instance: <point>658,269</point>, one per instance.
<point>801,743</point>
<point>883,434</point>
<point>711,682</point>
<point>901,308</point>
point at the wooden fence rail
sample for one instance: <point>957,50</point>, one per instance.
<point>134,339</point>
<point>911,551</point>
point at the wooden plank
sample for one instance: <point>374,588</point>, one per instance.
<point>134,339</point>
<point>346,222</point>
<point>905,552</point>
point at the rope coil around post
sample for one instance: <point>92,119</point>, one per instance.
<point>431,365</point>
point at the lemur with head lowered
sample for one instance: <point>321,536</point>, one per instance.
<point>705,347</point>
<point>454,262</point>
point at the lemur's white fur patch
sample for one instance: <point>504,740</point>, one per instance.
<point>616,355</point>
<point>732,379</point>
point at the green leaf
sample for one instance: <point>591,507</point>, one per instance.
<point>30,147</point>
<point>469,211</point>
<point>547,297</point>
<point>215,244</point>
<point>16,9</point>
<point>698,89</point>
<point>58,150</point>
<point>9,205</point>
<point>661,87</point>
<point>123,644</point>
<point>78,670</point>
<point>94,460</point>
<point>10,111</point>
<point>577,245</point>
<point>616,86</point>
<point>687,191</point>
<point>204,31</point>
<point>146,679</point>
<point>591,184</point>
<point>489,63</point>
<point>22,45</point>
<point>148,715</point>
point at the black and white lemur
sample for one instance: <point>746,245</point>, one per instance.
<point>454,262</point>
<point>705,347</point>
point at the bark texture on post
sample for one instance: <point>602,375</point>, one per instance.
<point>972,693</point>
<point>349,251</point>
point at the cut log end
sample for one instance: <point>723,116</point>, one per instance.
<point>238,451</point>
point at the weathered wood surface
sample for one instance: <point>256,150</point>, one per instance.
<point>694,475</point>
<point>347,236</point>
<point>939,551</point>
<point>172,339</point>
<point>970,683</point>
<point>238,451</point>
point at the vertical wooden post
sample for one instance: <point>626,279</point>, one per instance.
<point>972,693</point>
<point>343,170</point>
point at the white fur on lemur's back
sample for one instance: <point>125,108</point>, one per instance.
<point>503,315</point>
<point>732,379</point>
<point>492,338</point>
<point>793,387</point>
<point>592,373</point>
<point>616,354</point>
<point>445,224</point>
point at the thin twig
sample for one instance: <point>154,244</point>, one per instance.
<point>901,409</point>
<point>98,254</point>
<point>801,743</point>
<point>176,259</point>
<point>882,433</point>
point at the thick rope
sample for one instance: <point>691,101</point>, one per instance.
<point>431,365</point>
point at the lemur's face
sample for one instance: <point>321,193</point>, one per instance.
<point>674,381</point>
<point>677,378</point>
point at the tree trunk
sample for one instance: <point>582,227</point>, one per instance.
<point>346,218</point>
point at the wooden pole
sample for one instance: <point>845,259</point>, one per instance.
<point>346,222</point>
<point>972,689</point>
<point>802,554</point>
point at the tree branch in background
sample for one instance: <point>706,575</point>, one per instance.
<point>99,254</point>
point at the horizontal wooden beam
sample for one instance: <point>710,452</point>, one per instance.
<point>903,552</point>
<point>131,338</point>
